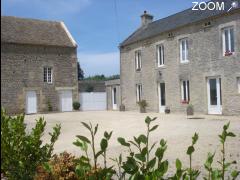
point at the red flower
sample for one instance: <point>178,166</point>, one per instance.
<point>184,102</point>
<point>228,53</point>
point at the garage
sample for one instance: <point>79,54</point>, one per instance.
<point>66,100</point>
<point>93,101</point>
<point>31,102</point>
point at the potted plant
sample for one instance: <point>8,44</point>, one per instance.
<point>190,110</point>
<point>167,110</point>
<point>228,53</point>
<point>122,107</point>
<point>49,105</point>
<point>142,104</point>
<point>76,105</point>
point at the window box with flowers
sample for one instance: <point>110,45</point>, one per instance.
<point>185,102</point>
<point>228,53</point>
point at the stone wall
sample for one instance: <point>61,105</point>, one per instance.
<point>205,60</point>
<point>22,70</point>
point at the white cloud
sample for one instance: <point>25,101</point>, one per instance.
<point>102,63</point>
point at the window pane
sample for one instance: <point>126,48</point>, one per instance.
<point>44,74</point>
<point>184,91</point>
<point>226,40</point>
<point>186,43</point>
<point>114,96</point>
<point>213,91</point>
<point>232,40</point>
<point>162,53</point>
<point>162,89</point>
<point>188,91</point>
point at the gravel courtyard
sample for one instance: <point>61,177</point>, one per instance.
<point>177,129</point>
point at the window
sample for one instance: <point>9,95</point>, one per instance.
<point>47,74</point>
<point>228,41</point>
<point>185,91</point>
<point>238,84</point>
<point>139,92</point>
<point>138,60</point>
<point>184,50</point>
<point>160,55</point>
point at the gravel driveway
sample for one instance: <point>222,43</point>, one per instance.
<point>177,129</point>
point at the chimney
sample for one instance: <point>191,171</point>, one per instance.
<point>146,18</point>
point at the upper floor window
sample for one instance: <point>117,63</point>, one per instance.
<point>139,92</point>
<point>185,91</point>
<point>184,50</point>
<point>160,55</point>
<point>47,74</point>
<point>138,60</point>
<point>228,41</point>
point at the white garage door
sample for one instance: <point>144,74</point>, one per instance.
<point>66,100</point>
<point>31,102</point>
<point>93,101</point>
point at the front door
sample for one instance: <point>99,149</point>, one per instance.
<point>31,102</point>
<point>162,97</point>
<point>66,100</point>
<point>214,95</point>
<point>114,98</point>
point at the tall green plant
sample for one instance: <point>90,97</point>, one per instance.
<point>22,151</point>
<point>138,164</point>
<point>84,167</point>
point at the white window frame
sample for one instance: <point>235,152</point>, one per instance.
<point>160,55</point>
<point>232,49</point>
<point>184,55</point>
<point>48,75</point>
<point>139,92</point>
<point>187,88</point>
<point>138,60</point>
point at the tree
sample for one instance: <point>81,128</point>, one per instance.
<point>80,72</point>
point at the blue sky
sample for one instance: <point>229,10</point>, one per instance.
<point>98,26</point>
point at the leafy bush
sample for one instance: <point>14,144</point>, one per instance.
<point>142,104</point>
<point>59,167</point>
<point>76,105</point>
<point>50,108</point>
<point>22,152</point>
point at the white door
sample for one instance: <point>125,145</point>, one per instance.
<point>114,98</point>
<point>31,102</point>
<point>66,100</point>
<point>162,97</point>
<point>214,96</point>
<point>93,101</point>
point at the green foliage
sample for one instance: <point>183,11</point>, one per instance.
<point>84,168</point>
<point>142,103</point>
<point>80,72</point>
<point>22,151</point>
<point>102,77</point>
<point>139,165</point>
<point>89,88</point>
<point>76,105</point>
<point>49,104</point>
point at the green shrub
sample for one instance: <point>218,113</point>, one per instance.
<point>76,105</point>
<point>22,151</point>
<point>85,169</point>
<point>50,108</point>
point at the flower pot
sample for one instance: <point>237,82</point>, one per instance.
<point>122,107</point>
<point>142,109</point>
<point>167,111</point>
<point>190,111</point>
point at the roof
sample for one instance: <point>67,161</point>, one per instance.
<point>91,86</point>
<point>177,20</point>
<point>35,32</point>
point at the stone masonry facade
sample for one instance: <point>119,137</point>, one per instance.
<point>22,70</point>
<point>205,60</point>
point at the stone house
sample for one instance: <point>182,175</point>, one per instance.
<point>192,57</point>
<point>38,66</point>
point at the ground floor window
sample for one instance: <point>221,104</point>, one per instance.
<point>185,91</point>
<point>139,92</point>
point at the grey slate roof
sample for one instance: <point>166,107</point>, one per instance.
<point>35,32</point>
<point>177,20</point>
